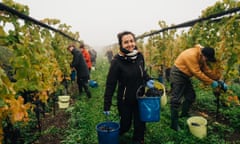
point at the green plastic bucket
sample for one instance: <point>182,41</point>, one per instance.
<point>197,126</point>
<point>149,108</point>
<point>108,133</point>
<point>63,101</point>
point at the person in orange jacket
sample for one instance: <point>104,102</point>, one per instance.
<point>190,62</point>
<point>86,56</point>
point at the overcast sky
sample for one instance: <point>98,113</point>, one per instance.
<point>99,21</point>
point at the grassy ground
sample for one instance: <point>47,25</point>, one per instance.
<point>86,113</point>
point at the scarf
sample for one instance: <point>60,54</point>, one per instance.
<point>130,56</point>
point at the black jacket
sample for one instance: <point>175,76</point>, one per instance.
<point>129,75</point>
<point>79,63</point>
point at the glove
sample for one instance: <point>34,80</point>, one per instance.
<point>107,113</point>
<point>150,84</point>
<point>223,85</point>
<point>214,84</point>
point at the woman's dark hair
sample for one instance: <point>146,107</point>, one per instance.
<point>71,45</point>
<point>121,34</point>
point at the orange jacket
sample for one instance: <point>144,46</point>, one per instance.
<point>191,62</point>
<point>87,58</point>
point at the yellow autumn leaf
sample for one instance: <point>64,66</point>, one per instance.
<point>18,110</point>
<point>1,134</point>
<point>43,96</point>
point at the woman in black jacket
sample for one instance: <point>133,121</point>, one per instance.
<point>128,72</point>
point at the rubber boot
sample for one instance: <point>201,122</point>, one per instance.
<point>80,91</point>
<point>87,91</point>
<point>174,120</point>
<point>89,94</point>
<point>185,109</point>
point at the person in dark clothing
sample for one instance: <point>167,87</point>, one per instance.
<point>127,70</point>
<point>167,74</point>
<point>79,64</point>
<point>93,55</point>
<point>109,55</point>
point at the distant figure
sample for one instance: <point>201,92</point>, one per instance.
<point>86,56</point>
<point>79,64</point>
<point>93,55</point>
<point>109,55</point>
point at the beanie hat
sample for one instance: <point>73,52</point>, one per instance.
<point>209,53</point>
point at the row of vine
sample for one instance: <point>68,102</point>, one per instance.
<point>33,64</point>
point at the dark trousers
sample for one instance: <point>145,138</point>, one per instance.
<point>129,114</point>
<point>83,84</point>
<point>181,86</point>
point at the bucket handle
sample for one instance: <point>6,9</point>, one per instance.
<point>139,90</point>
<point>107,120</point>
<point>164,89</point>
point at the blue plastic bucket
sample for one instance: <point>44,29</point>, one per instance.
<point>93,84</point>
<point>108,133</point>
<point>149,108</point>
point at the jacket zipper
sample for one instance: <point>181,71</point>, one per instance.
<point>124,92</point>
<point>141,70</point>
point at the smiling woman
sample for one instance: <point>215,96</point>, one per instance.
<point>127,71</point>
<point>127,42</point>
<point>99,21</point>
